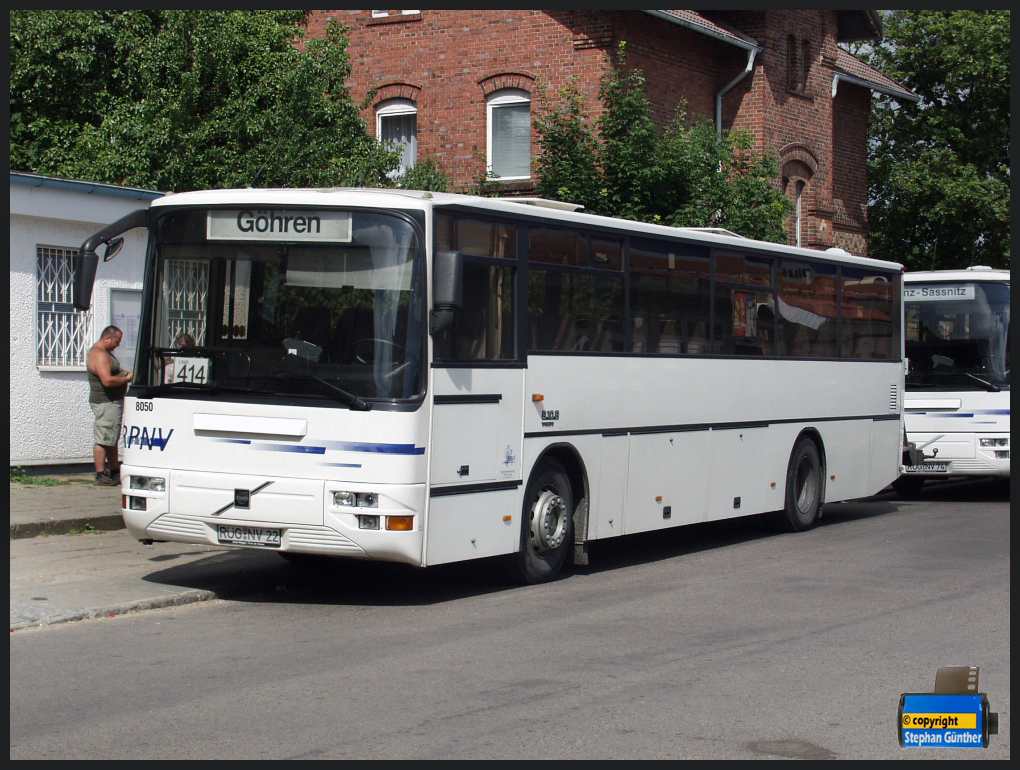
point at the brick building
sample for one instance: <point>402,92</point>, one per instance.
<point>461,85</point>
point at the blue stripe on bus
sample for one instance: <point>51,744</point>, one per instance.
<point>963,414</point>
<point>973,413</point>
<point>308,450</point>
<point>343,446</point>
<point>386,449</point>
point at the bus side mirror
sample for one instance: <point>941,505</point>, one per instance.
<point>447,288</point>
<point>85,264</point>
<point>113,248</point>
<point>87,261</point>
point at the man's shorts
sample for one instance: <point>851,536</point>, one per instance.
<point>106,431</point>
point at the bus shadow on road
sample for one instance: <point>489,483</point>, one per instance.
<point>659,545</point>
<point>266,577</point>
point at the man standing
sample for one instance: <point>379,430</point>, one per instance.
<point>107,386</point>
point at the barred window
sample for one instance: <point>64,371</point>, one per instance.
<point>64,334</point>
<point>185,299</point>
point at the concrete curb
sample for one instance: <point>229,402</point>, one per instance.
<point>67,526</point>
<point>190,597</point>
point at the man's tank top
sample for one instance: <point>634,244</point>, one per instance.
<point>101,395</point>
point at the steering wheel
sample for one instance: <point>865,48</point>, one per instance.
<point>399,351</point>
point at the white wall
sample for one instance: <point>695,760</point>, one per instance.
<point>50,421</point>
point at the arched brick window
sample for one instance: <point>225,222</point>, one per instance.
<point>508,140</point>
<point>396,122</point>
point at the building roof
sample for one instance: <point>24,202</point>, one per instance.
<point>88,188</point>
<point>695,21</point>
<point>851,26</point>
<point>852,70</point>
<point>859,25</point>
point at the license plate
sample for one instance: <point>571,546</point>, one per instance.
<point>927,468</point>
<point>262,537</point>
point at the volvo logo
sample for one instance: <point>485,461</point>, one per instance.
<point>242,498</point>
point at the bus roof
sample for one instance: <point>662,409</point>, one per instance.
<point>534,208</point>
<point>973,273</point>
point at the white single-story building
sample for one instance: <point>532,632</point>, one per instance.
<point>51,423</point>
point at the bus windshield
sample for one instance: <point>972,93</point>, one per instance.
<point>298,303</point>
<point>957,335</point>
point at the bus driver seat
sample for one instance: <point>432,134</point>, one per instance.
<point>310,331</point>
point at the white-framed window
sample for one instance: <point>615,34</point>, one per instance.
<point>798,212</point>
<point>63,334</point>
<point>396,125</point>
<point>508,145</point>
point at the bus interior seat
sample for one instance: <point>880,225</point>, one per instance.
<point>669,341</point>
<point>355,324</point>
<point>553,332</point>
<point>606,336</point>
<point>639,335</point>
<point>697,344</point>
<point>312,324</point>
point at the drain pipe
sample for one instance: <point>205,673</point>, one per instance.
<point>751,54</point>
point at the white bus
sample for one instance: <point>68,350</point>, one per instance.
<point>957,399</point>
<point>429,378</point>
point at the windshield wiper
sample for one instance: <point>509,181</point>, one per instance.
<point>988,386</point>
<point>345,397</point>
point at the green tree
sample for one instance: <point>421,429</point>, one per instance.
<point>621,165</point>
<point>938,170</point>
<point>177,100</point>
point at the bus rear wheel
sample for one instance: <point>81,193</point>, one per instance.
<point>803,489</point>
<point>547,530</point>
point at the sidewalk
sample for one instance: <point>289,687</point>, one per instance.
<point>71,559</point>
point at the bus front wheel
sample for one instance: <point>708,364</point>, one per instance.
<point>908,486</point>
<point>547,523</point>
<point>803,489</point>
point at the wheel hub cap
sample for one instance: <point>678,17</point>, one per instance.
<point>548,521</point>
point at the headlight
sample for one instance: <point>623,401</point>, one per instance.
<point>990,442</point>
<point>345,498</point>
<point>148,483</point>
<point>355,499</point>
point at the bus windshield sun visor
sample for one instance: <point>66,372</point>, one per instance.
<point>87,261</point>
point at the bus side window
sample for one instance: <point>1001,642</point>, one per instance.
<point>483,329</point>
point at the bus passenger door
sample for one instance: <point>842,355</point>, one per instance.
<point>475,463</point>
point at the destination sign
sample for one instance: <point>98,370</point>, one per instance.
<point>260,224</point>
<point>938,291</point>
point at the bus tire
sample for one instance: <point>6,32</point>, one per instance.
<point>908,486</point>
<point>803,489</point>
<point>304,560</point>
<point>547,531</point>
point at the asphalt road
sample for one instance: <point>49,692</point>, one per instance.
<point>715,641</point>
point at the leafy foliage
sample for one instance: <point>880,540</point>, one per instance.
<point>938,170</point>
<point>621,165</point>
<point>177,100</point>
<point>425,175</point>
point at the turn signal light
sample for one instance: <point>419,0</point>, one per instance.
<point>400,523</point>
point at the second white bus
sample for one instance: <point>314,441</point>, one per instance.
<point>429,378</point>
<point>957,398</point>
